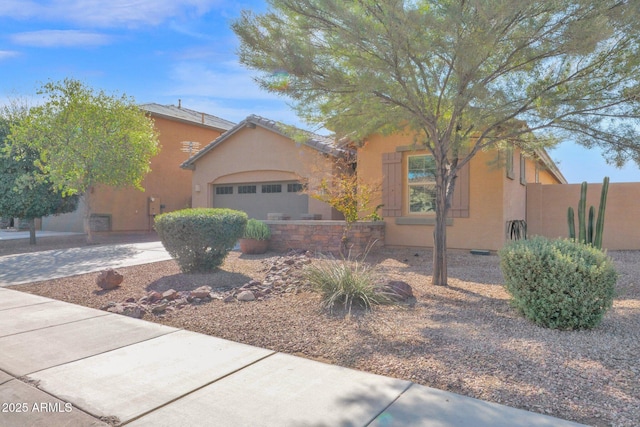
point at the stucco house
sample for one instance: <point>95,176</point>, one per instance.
<point>258,168</point>
<point>182,132</point>
<point>486,196</point>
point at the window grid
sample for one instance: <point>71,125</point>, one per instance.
<point>295,188</point>
<point>421,184</point>
<point>272,188</point>
<point>246,189</point>
<point>224,190</point>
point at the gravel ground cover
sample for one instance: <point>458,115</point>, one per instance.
<point>463,338</point>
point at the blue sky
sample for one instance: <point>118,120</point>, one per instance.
<point>164,50</point>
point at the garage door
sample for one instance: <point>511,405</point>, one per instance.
<point>260,199</point>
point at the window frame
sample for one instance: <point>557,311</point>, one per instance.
<point>408,185</point>
<point>271,188</point>
<point>242,189</point>
<point>225,190</point>
<point>509,153</point>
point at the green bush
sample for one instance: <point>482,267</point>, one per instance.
<point>346,282</point>
<point>257,230</point>
<point>558,284</point>
<point>200,239</point>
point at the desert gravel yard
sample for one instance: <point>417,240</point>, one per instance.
<point>463,338</point>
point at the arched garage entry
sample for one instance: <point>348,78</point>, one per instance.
<point>259,198</point>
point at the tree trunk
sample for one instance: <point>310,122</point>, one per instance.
<point>32,231</point>
<point>87,216</point>
<point>440,234</point>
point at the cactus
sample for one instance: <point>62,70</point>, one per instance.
<point>592,212</point>
<point>600,222</point>
<point>582,207</point>
<point>587,233</point>
<point>572,224</point>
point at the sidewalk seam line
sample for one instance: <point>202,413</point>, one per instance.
<point>53,326</point>
<point>29,305</point>
<point>102,352</point>
<point>389,405</point>
<point>197,389</point>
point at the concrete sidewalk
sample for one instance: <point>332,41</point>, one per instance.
<point>67,365</point>
<point>46,265</point>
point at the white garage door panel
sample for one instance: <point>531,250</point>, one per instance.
<point>258,205</point>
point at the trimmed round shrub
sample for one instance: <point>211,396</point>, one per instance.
<point>558,284</point>
<point>200,239</point>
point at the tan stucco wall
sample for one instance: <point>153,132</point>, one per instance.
<point>258,155</point>
<point>484,229</point>
<point>547,211</point>
<point>166,181</point>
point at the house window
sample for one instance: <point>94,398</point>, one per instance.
<point>294,188</point>
<point>421,179</point>
<point>509,162</point>
<point>224,190</point>
<point>246,189</point>
<point>272,188</point>
<point>523,170</point>
<point>537,173</point>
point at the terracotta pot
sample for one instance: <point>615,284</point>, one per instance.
<point>253,246</point>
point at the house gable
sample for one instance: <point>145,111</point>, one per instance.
<point>256,152</point>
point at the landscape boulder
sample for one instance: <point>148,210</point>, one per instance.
<point>399,290</point>
<point>109,279</point>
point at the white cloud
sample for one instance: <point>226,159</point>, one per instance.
<point>57,38</point>
<point>228,81</point>
<point>99,13</point>
<point>5,54</point>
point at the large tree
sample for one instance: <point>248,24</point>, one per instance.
<point>25,192</point>
<point>85,138</point>
<point>462,75</point>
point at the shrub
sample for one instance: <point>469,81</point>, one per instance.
<point>559,284</point>
<point>346,282</point>
<point>257,230</point>
<point>200,239</point>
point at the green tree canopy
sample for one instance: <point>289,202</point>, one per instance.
<point>462,75</point>
<point>25,192</point>
<point>86,138</point>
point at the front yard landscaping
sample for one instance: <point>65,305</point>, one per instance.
<point>463,338</point>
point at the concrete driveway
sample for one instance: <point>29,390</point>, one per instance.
<point>45,265</point>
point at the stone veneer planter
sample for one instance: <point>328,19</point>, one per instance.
<point>325,236</point>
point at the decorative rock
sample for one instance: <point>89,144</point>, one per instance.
<point>154,296</point>
<point>401,290</point>
<point>170,295</point>
<point>201,292</point>
<point>246,296</point>
<point>109,279</point>
<point>133,310</point>
<point>160,308</point>
<point>229,298</point>
<point>127,309</point>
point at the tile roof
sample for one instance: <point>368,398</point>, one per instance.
<point>187,115</point>
<point>324,144</point>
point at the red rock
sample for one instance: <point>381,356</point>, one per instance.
<point>154,296</point>
<point>109,279</point>
<point>400,290</point>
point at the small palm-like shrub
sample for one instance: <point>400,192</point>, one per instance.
<point>558,284</point>
<point>257,230</point>
<point>200,239</point>
<point>345,282</point>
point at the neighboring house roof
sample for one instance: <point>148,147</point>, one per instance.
<point>187,116</point>
<point>323,144</point>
